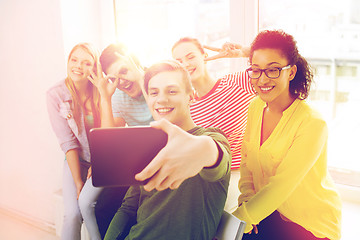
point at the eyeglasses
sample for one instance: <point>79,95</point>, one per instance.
<point>273,72</point>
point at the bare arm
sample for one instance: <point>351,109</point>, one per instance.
<point>175,164</point>
<point>106,89</point>
<point>228,50</point>
<point>72,158</point>
<point>107,117</point>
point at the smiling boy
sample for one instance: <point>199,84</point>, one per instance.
<point>190,209</point>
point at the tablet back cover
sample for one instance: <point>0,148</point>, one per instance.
<point>118,154</point>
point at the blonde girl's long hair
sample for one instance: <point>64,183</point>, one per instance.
<point>92,92</point>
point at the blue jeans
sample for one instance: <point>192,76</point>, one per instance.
<point>75,211</point>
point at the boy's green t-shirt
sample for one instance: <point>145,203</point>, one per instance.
<point>192,211</point>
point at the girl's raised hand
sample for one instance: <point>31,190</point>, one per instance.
<point>103,83</point>
<point>228,50</point>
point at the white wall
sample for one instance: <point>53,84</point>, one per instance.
<point>36,37</point>
<point>87,21</point>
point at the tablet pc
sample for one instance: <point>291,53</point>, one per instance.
<point>119,153</point>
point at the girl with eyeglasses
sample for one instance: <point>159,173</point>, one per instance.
<point>286,189</point>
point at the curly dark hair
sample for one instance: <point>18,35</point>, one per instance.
<point>278,39</point>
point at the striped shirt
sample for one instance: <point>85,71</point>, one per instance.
<point>225,107</point>
<point>134,111</point>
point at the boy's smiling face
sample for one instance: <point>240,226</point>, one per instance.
<point>168,98</point>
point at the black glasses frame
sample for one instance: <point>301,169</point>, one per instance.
<point>265,71</point>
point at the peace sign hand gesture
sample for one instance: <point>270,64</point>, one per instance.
<point>228,50</point>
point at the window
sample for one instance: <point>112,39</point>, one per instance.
<point>327,32</point>
<point>150,27</point>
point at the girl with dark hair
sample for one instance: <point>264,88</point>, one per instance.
<point>74,108</point>
<point>286,189</point>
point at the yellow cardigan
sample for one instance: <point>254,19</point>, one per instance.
<point>289,172</point>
